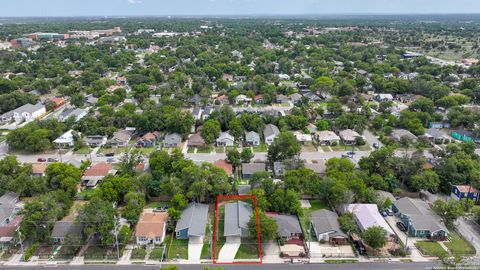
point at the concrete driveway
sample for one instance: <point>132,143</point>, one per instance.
<point>228,252</point>
<point>415,254</point>
<point>271,252</point>
<point>194,251</point>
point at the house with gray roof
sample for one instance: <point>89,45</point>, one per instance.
<point>172,140</point>
<point>120,138</point>
<point>237,215</point>
<point>225,139</point>
<point>62,229</point>
<point>295,98</point>
<point>288,226</point>
<point>75,113</point>
<point>349,136</point>
<point>436,136</point>
<point>270,132</point>
<point>398,134</point>
<point>193,222</point>
<point>95,140</point>
<point>252,138</point>
<point>28,112</point>
<point>248,169</point>
<point>324,223</point>
<point>419,219</point>
<point>8,208</point>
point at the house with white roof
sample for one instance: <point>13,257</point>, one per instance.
<point>67,140</point>
<point>367,216</point>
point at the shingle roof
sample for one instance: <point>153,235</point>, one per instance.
<point>151,225</point>
<point>270,130</point>
<point>194,217</point>
<point>222,164</point>
<point>287,224</point>
<point>100,169</point>
<point>251,168</point>
<point>421,216</point>
<point>237,215</point>
<point>64,228</point>
<point>324,221</point>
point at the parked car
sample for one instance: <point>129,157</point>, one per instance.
<point>389,212</point>
<point>351,153</point>
<point>52,159</point>
<point>376,145</point>
<point>384,213</point>
<point>110,154</point>
<point>100,155</point>
<point>401,226</point>
<point>360,247</point>
<point>160,209</point>
<point>111,160</point>
<point>41,159</point>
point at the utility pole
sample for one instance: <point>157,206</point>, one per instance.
<point>20,239</point>
<point>116,237</point>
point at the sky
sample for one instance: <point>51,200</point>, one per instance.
<point>23,8</point>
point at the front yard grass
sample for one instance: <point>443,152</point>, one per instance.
<point>83,151</point>
<point>309,148</point>
<point>364,147</point>
<point>138,254</point>
<point>97,252</point>
<point>156,253</point>
<point>206,254</point>
<point>117,151</point>
<point>325,148</point>
<point>220,239</point>
<point>204,150</point>
<point>248,251</point>
<point>261,148</point>
<point>178,249</point>
<point>459,246</point>
<point>429,248</point>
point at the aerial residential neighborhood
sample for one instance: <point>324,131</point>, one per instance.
<point>242,142</point>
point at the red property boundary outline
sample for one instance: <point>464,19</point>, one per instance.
<point>236,197</point>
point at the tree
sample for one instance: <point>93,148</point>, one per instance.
<point>449,211</point>
<point>429,180</point>
<point>98,216</point>
<point>268,227</point>
<point>134,203</point>
<point>63,176</point>
<point>284,147</point>
<point>322,84</point>
<point>348,224</point>
<point>179,202</point>
<point>233,157</point>
<point>174,214</point>
<point>236,128</point>
<point>247,155</point>
<point>375,237</point>
<point>129,162</point>
<point>211,130</point>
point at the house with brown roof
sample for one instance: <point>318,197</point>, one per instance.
<point>38,169</point>
<point>196,140</point>
<point>96,173</point>
<point>148,140</point>
<point>222,164</point>
<point>151,228</point>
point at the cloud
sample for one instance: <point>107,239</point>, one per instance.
<point>134,1</point>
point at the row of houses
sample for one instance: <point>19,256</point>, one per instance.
<point>26,113</point>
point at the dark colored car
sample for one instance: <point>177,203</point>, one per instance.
<point>110,154</point>
<point>351,153</point>
<point>360,247</point>
<point>41,159</point>
<point>401,226</point>
<point>376,145</point>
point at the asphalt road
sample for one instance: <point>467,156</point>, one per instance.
<point>345,266</point>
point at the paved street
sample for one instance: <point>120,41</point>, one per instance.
<point>346,266</point>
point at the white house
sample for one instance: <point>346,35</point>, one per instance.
<point>28,112</point>
<point>225,139</point>
<point>151,228</point>
<point>67,140</point>
<point>270,132</point>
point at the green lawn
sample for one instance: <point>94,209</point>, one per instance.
<point>220,238</point>
<point>83,151</point>
<point>156,253</point>
<point>364,147</point>
<point>97,252</point>
<point>138,254</point>
<point>219,150</point>
<point>147,150</point>
<point>205,150</point>
<point>430,248</point>
<point>261,148</point>
<point>458,246</point>
<point>86,194</point>
<point>178,249</point>
<point>206,254</point>
<point>325,148</point>
<point>117,151</point>
<point>248,251</point>
<point>341,147</point>
<point>190,150</point>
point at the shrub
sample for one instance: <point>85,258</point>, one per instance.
<point>30,251</point>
